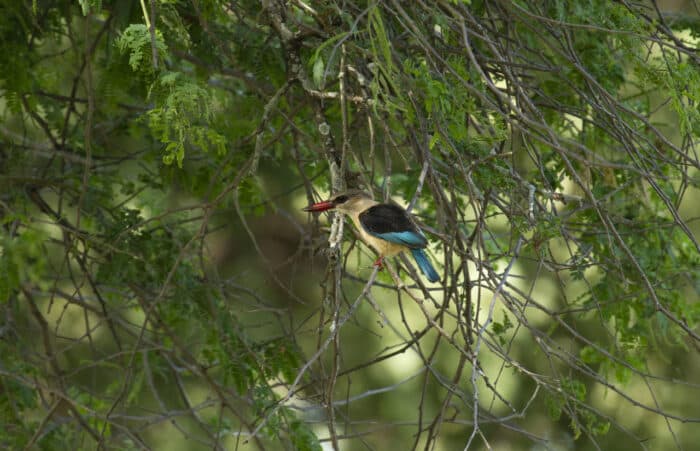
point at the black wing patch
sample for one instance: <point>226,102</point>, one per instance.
<point>391,223</point>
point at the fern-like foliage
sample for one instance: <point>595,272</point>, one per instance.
<point>136,42</point>
<point>181,116</point>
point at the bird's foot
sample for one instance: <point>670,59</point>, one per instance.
<point>379,263</point>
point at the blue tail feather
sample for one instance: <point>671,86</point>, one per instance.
<point>424,264</point>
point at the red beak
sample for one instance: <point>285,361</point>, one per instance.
<point>321,206</point>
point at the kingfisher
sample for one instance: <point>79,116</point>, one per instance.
<point>388,228</point>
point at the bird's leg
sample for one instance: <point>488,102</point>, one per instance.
<point>379,262</point>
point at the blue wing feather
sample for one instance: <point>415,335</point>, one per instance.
<point>407,238</point>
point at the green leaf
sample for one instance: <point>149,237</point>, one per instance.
<point>318,73</point>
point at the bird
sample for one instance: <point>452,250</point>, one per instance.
<point>386,227</point>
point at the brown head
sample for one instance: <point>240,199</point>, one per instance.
<point>350,201</point>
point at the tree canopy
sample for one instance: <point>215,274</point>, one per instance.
<point>160,287</point>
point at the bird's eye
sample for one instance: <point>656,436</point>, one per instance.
<point>340,199</point>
